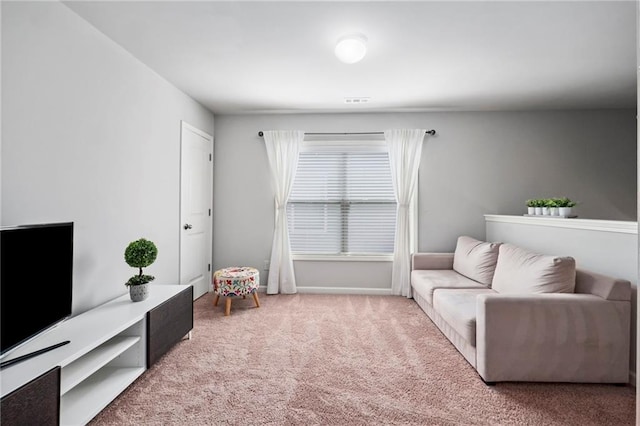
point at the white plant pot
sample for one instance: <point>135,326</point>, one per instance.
<point>538,210</point>
<point>531,210</point>
<point>139,292</point>
<point>565,211</point>
<point>553,211</point>
<point>545,211</point>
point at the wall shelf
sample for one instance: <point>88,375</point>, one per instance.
<point>618,226</point>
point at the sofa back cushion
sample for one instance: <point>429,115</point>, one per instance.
<point>520,271</point>
<point>475,259</point>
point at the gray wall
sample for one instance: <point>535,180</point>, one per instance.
<point>479,162</point>
<point>493,162</point>
<point>90,135</point>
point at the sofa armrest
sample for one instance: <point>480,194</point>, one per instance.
<point>552,337</point>
<point>589,282</point>
<point>432,261</point>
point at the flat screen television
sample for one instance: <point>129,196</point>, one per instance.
<point>36,271</point>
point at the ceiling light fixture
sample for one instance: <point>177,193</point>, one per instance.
<point>351,48</point>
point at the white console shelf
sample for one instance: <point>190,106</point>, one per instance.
<point>108,351</point>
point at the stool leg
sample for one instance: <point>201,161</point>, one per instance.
<point>227,307</point>
<point>215,302</point>
<point>255,299</point>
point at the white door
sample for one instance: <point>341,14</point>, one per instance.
<point>196,194</point>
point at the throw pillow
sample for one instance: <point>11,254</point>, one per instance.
<point>520,271</point>
<point>475,259</point>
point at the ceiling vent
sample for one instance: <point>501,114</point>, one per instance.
<point>356,101</point>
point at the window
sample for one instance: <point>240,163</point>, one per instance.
<point>342,201</point>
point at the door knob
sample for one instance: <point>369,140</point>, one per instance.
<point>187,226</point>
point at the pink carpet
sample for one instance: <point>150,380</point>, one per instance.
<point>337,360</point>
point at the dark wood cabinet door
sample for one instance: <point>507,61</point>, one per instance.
<point>168,323</point>
<point>36,403</point>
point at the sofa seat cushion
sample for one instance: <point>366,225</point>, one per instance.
<point>458,309</point>
<point>520,271</point>
<point>476,259</point>
<point>424,282</point>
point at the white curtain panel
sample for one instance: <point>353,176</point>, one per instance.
<point>283,147</point>
<point>405,150</point>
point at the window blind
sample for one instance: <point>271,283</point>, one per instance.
<point>342,202</point>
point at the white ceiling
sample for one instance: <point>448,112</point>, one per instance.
<point>239,57</point>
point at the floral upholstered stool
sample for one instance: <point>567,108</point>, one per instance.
<point>236,281</point>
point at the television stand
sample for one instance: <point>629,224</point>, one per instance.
<point>25,357</point>
<point>110,347</point>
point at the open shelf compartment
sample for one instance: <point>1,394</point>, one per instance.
<point>85,366</point>
<point>80,404</point>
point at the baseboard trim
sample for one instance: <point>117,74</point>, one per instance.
<point>346,290</point>
<point>339,290</point>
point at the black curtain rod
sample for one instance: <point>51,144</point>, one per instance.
<point>428,132</point>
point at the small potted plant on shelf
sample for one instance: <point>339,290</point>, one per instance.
<point>531,207</point>
<point>140,254</point>
<point>552,205</point>
<point>538,207</point>
<point>545,206</point>
<point>565,207</point>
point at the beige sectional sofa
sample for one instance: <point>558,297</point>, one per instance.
<point>521,316</point>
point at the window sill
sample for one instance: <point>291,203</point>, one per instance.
<point>342,258</point>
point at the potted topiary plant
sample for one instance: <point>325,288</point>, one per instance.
<point>140,254</point>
